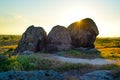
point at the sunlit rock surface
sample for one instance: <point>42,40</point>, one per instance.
<point>83,33</point>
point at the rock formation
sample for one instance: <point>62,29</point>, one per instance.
<point>53,75</point>
<point>78,34</point>
<point>34,39</point>
<point>98,75</point>
<point>58,39</point>
<point>31,75</point>
<point>83,33</point>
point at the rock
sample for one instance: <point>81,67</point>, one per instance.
<point>116,74</point>
<point>31,75</point>
<point>98,75</point>
<point>27,52</point>
<point>34,39</point>
<point>83,33</point>
<point>72,75</point>
<point>58,39</point>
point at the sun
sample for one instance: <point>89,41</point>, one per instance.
<point>78,21</point>
<point>73,16</point>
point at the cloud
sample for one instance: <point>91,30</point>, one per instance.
<point>12,18</point>
<point>20,18</point>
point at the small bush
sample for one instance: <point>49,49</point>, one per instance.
<point>33,62</point>
<point>25,62</point>
<point>10,64</point>
<point>2,58</point>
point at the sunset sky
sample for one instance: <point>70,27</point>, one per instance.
<point>17,15</point>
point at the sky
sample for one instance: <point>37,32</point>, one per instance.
<point>17,15</point>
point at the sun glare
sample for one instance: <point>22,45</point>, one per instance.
<point>73,16</point>
<point>78,21</point>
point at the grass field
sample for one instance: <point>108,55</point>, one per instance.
<point>109,48</point>
<point>8,42</point>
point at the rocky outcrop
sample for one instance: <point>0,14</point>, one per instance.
<point>93,75</point>
<point>58,39</point>
<point>98,75</point>
<point>53,75</point>
<point>30,75</point>
<point>83,33</point>
<point>78,34</point>
<point>34,39</point>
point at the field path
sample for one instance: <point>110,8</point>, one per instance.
<point>96,61</point>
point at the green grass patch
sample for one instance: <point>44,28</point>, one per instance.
<point>110,67</point>
<point>70,66</point>
<point>82,54</point>
<point>35,62</point>
<point>25,62</point>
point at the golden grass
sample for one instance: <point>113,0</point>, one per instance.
<point>99,47</point>
<point>117,63</point>
<point>110,53</point>
<point>8,47</point>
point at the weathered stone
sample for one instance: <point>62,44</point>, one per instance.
<point>31,75</point>
<point>98,75</point>
<point>27,52</point>
<point>116,74</point>
<point>58,39</point>
<point>34,39</point>
<point>83,33</point>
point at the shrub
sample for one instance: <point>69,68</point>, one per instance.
<point>33,62</point>
<point>10,64</point>
<point>25,62</point>
<point>2,58</point>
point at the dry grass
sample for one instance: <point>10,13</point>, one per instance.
<point>110,53</point>
<point>109,47</point>
<point>8,47</point>
<point>117,63</point>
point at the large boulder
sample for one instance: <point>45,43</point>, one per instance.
<point>34,39</point>
<point>58,39</point>
<point>83,33</point>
